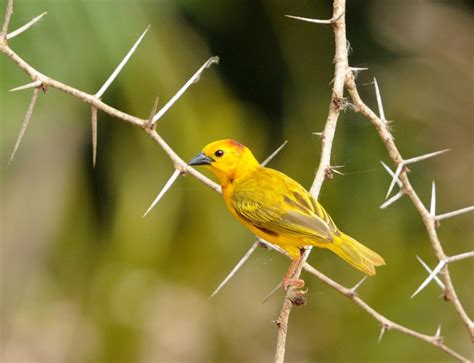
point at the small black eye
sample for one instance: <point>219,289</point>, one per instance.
<point>219,153</point>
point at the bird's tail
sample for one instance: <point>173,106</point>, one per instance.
<point>355,253</point>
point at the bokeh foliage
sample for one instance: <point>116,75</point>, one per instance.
<point>86,279</point>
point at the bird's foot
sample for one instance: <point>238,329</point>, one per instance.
<point>298,296</point>
<point>297,283</point>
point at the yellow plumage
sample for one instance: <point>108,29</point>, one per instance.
<point>277,208</point>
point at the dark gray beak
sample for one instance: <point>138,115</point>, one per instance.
<point>201,159</point>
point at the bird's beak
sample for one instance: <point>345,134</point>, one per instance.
<point>201,159</point>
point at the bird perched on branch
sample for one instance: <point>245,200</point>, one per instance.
<point>278,209</point>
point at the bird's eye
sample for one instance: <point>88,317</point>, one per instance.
<point>219,153</point>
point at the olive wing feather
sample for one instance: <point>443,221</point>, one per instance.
<point>278,204</point>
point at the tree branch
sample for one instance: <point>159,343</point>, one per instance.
<point>429,220</point>
<point>335,106</point>
<point>342,74</point>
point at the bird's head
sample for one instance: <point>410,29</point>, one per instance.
<point>227,159</point>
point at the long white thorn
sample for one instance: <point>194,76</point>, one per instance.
<point>236,268</point>
<point>383,329</point>
<point>271,293</point>
<point>379,101</point>
<point>438,331</point>
<point>310,20</point>
<point>395,179</point>
<point>429,278</point>
<point>356,286</point>
<point>26,86</point>
<point>461,256</point>
<point>392,200</point>
<point>273,154</point>
<point>433,200</point>
<point>317,21</point>
<point>26,121</point>
<point>167,186</point>
<point>455,213</point>
<point>117,70</point>
<point>424,157</point>
<point>183,89</point>
<point>436,278</point>
<point>391,173</point>
<point>25,27</point>
<point>358,69</point>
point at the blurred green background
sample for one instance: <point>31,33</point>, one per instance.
<point>86,279</point>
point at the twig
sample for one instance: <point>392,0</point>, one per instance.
<point>386,323</point>
<point>26,121</point>
<point>6,21</point>
<point>46,82</point>
<point>428,219</point>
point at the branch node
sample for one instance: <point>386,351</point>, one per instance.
<point>298,299</point>
<point>328,173</point>
<point>338,103</point>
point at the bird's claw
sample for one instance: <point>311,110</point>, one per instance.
<point>297,283</point>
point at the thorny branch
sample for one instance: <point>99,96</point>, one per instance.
<point>429,219</point>
<point>343,75</point>
<point>324,169</point>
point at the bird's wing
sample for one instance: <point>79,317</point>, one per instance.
<point>280,205</point>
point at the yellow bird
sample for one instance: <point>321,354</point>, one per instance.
<point>278,209</point>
